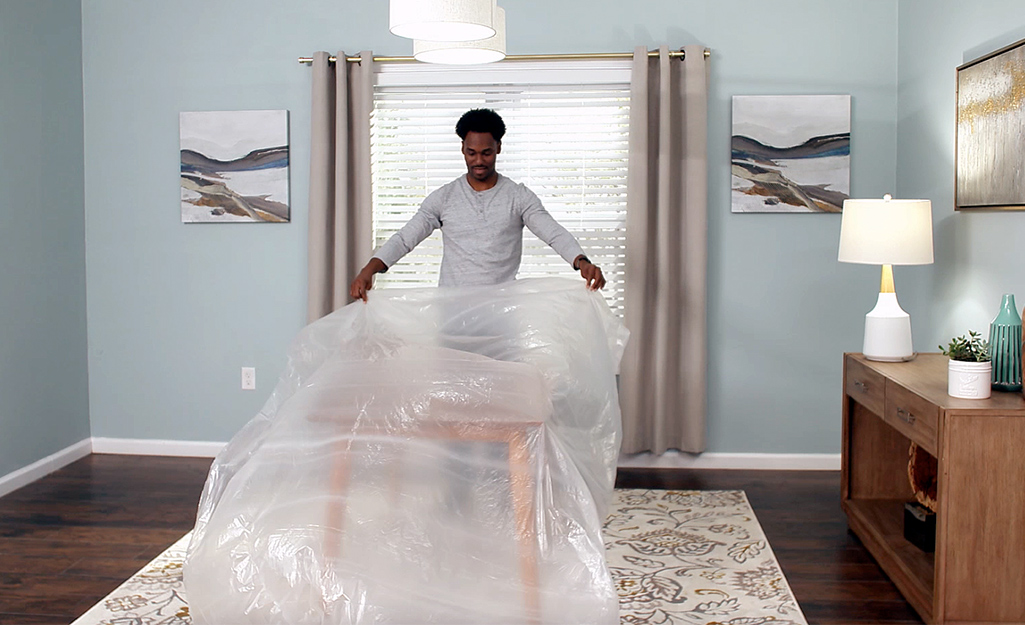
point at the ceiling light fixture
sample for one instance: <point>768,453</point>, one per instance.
<point>465,52</point>
<point>442,20</point>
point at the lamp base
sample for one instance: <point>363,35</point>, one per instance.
<point>891,359</point>
<point>888,331</point>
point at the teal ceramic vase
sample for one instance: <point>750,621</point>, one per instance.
<point>1005,346</point>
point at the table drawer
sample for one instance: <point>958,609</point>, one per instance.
<point>912,416</point>
<point>865,386</point>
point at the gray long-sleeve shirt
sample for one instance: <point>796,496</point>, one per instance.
<point>482,231</point>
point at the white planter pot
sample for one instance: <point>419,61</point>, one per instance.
<point>969,380</point>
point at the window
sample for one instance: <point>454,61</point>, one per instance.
<point>567,140</point>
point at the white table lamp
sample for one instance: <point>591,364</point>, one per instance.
<point>887,232</point>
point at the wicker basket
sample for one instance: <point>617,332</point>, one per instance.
<point>922,471</point>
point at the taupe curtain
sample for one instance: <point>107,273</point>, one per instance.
<point>663,375</point>
<point>340,214</point>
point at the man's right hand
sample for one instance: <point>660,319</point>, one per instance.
<point>365,279</point>
<point>589,272</point>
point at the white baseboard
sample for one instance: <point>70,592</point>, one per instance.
<point>710,460</point>
<point>207,449</point>
<point>669,460</point>
<point>156,447</point>
<point>41,468</point>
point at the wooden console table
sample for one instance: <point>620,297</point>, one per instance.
<point>977,574</point>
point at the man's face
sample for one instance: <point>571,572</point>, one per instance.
<point>479,151</point>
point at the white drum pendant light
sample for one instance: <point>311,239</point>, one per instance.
<point>442,20</point>
<point>465,52</point>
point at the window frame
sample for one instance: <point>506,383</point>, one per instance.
<point>603,243</point>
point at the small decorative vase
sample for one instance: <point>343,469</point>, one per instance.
<point>968,380</point>
<point>1005,346</point>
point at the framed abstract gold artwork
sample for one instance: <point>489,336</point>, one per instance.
<point>990,140</point>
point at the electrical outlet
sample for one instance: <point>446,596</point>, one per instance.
<point>248,378</point>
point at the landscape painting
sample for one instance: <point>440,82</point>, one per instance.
<point>234,166</point>
<point>791,154</point>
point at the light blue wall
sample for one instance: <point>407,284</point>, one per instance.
<point>979,255</point>
<point>43,382</point>
<point>175,310</point>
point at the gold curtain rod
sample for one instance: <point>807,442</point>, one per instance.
<point>305,60</point>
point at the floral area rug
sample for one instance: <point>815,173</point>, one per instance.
<point>677,558</point>
<point>688,557</point>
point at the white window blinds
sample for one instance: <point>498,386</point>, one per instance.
<point>566,139</point>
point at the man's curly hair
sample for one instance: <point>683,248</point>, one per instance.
<point>481,120</point>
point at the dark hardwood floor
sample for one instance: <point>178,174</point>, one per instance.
<point>72,537</point>
<point>69,539</point>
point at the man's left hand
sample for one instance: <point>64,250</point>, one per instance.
<point>591,273</point>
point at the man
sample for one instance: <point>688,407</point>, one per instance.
<point>481,216</point>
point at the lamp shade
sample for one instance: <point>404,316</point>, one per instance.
<point>465,52</point>
<point>886,232</point>
<point>442,20</point>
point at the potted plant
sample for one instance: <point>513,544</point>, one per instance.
<point>970,367</point>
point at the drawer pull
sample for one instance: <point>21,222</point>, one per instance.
<point>905,416</point>
<point>861,385</point>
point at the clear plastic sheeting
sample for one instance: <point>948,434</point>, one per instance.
<point>432,456</point>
